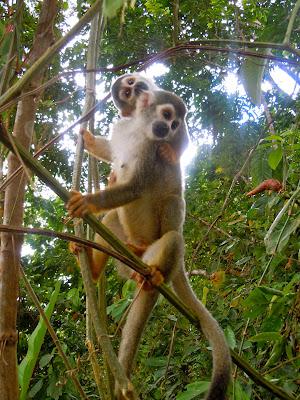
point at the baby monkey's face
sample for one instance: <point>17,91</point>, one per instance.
<point>127,89</point>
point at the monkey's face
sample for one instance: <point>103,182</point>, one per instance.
<point>166,122</point>
<point>163,114</point>
<point>126,90</point>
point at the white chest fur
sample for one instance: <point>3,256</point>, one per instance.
<point>126,144</point>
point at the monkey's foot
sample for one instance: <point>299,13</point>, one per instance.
<point>138,250</point>
<point>167,153</point>
<point>156,277</point>
<point>88,138</point>
<point>79,205</point>
<point>75,248</point>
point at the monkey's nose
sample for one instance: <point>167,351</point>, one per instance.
<point>140,87</point>
<point>160,129</point>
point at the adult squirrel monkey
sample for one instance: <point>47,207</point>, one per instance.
<point>149,212</point>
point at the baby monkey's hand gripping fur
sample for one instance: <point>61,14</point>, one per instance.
<point>152,213</point>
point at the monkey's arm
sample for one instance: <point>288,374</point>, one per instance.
<point>98,146</point>
<point>112,197</point>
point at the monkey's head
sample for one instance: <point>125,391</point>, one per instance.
<point>163,114</point>
<point>126,90</point>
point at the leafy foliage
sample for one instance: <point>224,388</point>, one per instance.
<point>248,261</point>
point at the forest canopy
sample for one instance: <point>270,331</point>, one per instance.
<point>236,66</point>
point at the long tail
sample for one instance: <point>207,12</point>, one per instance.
<point>213,333</point>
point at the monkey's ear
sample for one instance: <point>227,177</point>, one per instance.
<point>144,100</point>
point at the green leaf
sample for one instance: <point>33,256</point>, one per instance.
<point>36,388</point>
<point>256,303</point>
<point>111,7</point>
<point>117,309</point>
<point>266,337</point>
<point>230,337</point>
<point>275,157</point>
<point>277,238</point>
<point>45,359</point>
<point>240,394</point>
<point>260,169</point>
<point>35,342</point>
<point>193,390</point>
<point>251,74</point>
<point>156,362</point>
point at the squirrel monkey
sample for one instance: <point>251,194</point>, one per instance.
<point>149,213</point>
<point>125,92</point>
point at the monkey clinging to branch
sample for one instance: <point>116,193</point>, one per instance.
<point>150,209</point>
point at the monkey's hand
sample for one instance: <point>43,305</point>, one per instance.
<point>167,153</point>
<point>154,278</point>
<point>79,205</point>
<point>138,250</point>
<point>88,139</point>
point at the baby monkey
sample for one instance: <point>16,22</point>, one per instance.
<point>150,210</point>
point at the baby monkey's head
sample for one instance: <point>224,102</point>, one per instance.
<point>127,89</point>
<point>163,114</point>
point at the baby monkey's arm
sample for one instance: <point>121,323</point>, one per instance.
<point>98,146</point>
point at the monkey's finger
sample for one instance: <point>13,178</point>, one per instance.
<point>78,210</point>
<point>75,198</point>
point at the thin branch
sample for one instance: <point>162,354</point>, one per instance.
<point>206,223</point>
<point>199,45</point>
<point>111,239</point>
<point>289,30</point>
<point>282,364</point>
<point>53,335</point>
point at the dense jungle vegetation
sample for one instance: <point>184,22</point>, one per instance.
<point>242,249</point>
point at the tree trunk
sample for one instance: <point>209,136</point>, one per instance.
<point>13,214</point>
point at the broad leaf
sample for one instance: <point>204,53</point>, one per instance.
<point>275,157</point>
<point>252,71</point>
<point>266,337</point>
<point>193,390</point>
<point>35,342</point>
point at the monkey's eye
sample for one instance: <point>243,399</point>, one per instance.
<point>167,114</point>
<point>130,81</point>
<point>174,125</point>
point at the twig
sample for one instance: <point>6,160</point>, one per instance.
<point>142,63</point>
<point>171,348</point>
<point>282,364</point>
<point>220,230</point>
<point>289,30</point>
<point>53,335</point>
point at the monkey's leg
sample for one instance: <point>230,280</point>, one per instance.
<point>133,329</point>
<point>164,254</point>
<point>212,331</point>
<point>99,259</point>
